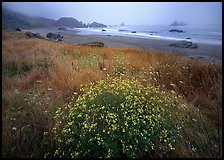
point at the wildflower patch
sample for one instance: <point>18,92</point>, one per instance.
<point>115,118</point>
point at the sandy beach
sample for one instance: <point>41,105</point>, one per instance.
<point>207,52</point>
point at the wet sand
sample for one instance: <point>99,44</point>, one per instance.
<point>208,52</point>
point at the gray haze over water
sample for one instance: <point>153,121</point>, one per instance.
<point>207,14</point>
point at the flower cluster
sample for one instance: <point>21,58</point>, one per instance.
<point>116,117</point>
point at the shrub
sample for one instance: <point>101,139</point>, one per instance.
<point>115,118</point>
<point>90,61</point>
<point>11,69</point>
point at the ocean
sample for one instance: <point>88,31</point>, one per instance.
<point>193,34</point>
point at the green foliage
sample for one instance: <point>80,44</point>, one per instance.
<point>91,61</point>
<point>116,118</point>
<point>119,68</point>
<point>12,69</point>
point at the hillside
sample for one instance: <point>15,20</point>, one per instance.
<point>40,22</point>
<point>11,20</point>
<point>66,100</point>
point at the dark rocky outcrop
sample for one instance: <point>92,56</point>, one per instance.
<point>176,23</point>
<point>95,24</point>
<point>29,34</point>
<point>193,46</point>
<point>36,34</point>
<point>153,32</point>
<point>122,30</point>
<point>94,44</point>
<point>33,35</point>
<point>62,28</point>
<point>56,37</point>
<point>69,22</point>
<point>184,44</point>
<point>176,30</point>
<point>18,29</point>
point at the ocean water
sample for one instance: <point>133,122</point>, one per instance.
<point>197,34</point>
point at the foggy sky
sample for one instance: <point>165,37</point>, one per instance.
<point>141,13</point>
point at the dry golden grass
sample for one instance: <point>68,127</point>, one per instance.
<point>55,70</point>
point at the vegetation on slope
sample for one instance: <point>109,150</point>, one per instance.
<point>43,80</point>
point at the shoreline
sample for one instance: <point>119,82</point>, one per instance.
<point>208,52</point>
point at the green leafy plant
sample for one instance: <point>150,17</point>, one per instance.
<point>115,118</point>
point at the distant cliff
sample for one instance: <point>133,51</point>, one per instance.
<point>11,19</point>
<point>95,24</point>
<point>176,23</point>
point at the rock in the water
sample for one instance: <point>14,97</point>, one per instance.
<point>94,44</point>
<point>56,37</point>
<point>122,30</point>
<point>18,29</point>
<point>176,30</point>
<point>184,44</point>
<point>153,32</point>
<point>133,32</point>
<point>176,23</point>
<point>103,30</point>
<point>62,28</point>
<point>96,24</point>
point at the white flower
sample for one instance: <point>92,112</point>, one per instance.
<point>173,85</point>
<point>172,92</point>
<point>17,92</point>
<point>14,128</point>
<point>181,82</point>
<point>75,93</point>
